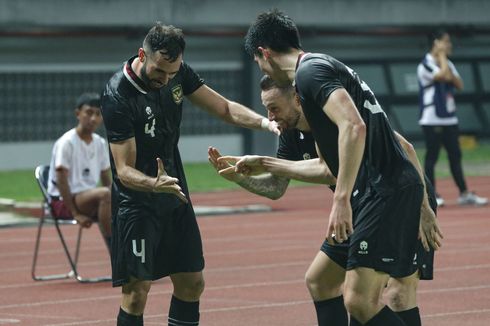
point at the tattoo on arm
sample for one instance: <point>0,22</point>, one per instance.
<point>267,185</point>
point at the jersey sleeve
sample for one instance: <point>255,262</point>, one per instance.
<point>284,150</point>
<point>191,80</point>
<point>118,120</point>
<point>316,80</point>
<point>63,154</point>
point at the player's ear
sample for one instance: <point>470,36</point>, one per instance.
<point>141,55</point>
<point>266,53</point>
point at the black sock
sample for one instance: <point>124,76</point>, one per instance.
<point>331,312</point>
<point>354,322</point>
<point>125,319</point>
<point>386,317</point>
<point>411,317</point>
<point>183,313</point>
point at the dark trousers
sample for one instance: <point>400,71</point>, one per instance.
<point>435,136</point>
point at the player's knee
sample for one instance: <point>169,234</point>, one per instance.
<point>135,298</point>
<point>396,300</point>
<point>319,289</point>
<point>190,290</point>
<point>402,296</point>
<point>359,305</point>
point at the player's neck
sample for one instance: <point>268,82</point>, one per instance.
<point>288,63</point>
<point>303,124</point>
<point>136,66</point>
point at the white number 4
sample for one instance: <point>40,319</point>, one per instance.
<point>141,252</point>
<point>150,130</point>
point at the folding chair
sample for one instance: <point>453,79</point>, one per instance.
<point>42,175</point>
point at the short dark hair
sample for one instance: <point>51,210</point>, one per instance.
<point>436,35</point>
<point>274,30</point>
<point>90,99</point>
<point>267,83</point>
<point>165,38</point>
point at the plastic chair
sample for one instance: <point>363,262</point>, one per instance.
<point>42,175</point>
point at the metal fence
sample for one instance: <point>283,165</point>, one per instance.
<point>37,103</point>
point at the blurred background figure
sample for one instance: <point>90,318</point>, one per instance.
<point>438,79</point>
<point>80,160</point>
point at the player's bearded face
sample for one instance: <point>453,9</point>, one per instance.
<point>156,72</point>
<point>281,108</point>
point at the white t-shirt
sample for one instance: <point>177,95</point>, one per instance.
<point>425,76</point>
<point>83,161</point>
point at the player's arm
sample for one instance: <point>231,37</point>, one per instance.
<point>265,184</point>
<point>430,232</point>
<point>230,111</point>
<point>352,137</point>
<point>124,154</point>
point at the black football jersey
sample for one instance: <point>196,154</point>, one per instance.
<point>153,118</point>
<point>296,145</point>
<point>384,164</point>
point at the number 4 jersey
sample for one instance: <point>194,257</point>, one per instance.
<point>384,165</point>
<point>152,117</point>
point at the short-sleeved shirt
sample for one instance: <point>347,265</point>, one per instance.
<point>153,118</point>
<point>84,162</point>
<point>384,165</point>
<point>296,145</point>
<point>436,99</point>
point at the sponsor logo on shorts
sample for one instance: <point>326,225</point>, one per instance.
<point>363,246</point>
<point>354,194</point>
<point>306,156</point>
<point>387,260</point>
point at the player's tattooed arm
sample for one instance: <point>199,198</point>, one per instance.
<point>267,185</point>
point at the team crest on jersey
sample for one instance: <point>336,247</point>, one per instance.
<point>177,94</point>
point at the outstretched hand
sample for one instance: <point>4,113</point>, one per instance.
<point>224,168</point>
<point>167,184</point>
<point>248,165</point>
<point>429,232</point>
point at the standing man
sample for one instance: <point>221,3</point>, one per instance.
<point>155,228</point>
<point>438,79</point>
<point>78,162</point>
<point>379,193</point>
<point>298,159</point>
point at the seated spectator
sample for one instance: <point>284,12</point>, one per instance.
<point>79,160</point>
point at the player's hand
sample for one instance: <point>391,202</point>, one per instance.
<point>167,184</point>
<point>340,222</point>
<point>248,165</point>
<point>224,168</point>
<point>274,128</point>
<point>83,220</point>
<point>429,232</point>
